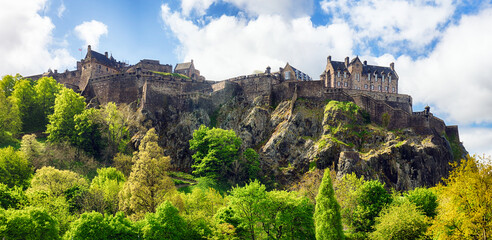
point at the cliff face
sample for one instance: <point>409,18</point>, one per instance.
<point>297,135</point>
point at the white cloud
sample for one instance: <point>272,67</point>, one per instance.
<point>456,76</point>
<point>61,10</point>
<point>285,8</point>
<point>392,23</point>
<point>231,46</point>
<point>27,46</point>
<point>90,32</point>
<point>477,140</point>
<point>199,6</point>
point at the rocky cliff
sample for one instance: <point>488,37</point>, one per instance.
<point>297,135</point>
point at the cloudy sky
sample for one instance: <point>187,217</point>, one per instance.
<point>442,49</point>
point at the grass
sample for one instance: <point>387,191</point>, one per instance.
<point>172,74</point>
<point>181,175</point>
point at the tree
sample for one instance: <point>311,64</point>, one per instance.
<point>371,198</point>
<point>10,122</point>
<point>46,89</point>
<point>465,201</point>
<point>425,199</point>
<point>109,182</point>
<point>215,150</point>
<point>12,197</point>
<point>29,223</point>
<point>148,184</point>
<point>87,134</point>
<point>24,97</point>
<point>346,194</point>
<point>7,84</point>
<point>32,150</point>
<point>55,182</point>
<point>94,226</point>
<point>400,222</point>
<point>327,213</point>
<point>165,223</point>
<point>62,124</point>
<point>15,170</point>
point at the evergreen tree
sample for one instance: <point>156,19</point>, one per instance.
<point>327,212</point>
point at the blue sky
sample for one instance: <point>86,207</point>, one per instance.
<point>441,48</point>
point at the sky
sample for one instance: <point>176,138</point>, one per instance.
<point>442,49</point>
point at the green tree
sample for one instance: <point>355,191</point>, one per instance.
<point>165,223</point>
<point>371,198</point>
<point>109,182</point>
<point>55,182</point>
<point>216,149</point>
<point>12,197</point>
<point>30,224</point>
<point>87,132</point>
<point>400,222</point>
<point>327,213</point>
<point>10,122</point>
<point>93,226</point>
<point>465,201</point>
<point>346,194</point>
<point>32,150</point>
<point>15,170</point>
<point>148,184</point>
<point>7,84</point>
<point>46,89</point>
<point>62,124</point>
<point>425,199</point>
<point>24,97</point>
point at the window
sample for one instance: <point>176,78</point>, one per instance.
<point>380,88</point>
<point>338,84</point>
<point>376,78</point>
<point>382,79</point>
<point>389,79</point>
<point>386,89</point>
<point>338,74</point>
<point>365,86</point>
<point>346,84</point>
<point>369,77</point>
<point>372,87</point>
<point>393,89</point>
<point>344,74</point>
<point>287,75</point>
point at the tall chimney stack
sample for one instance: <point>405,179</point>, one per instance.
<point>346,61</point>
<point>392,66</point>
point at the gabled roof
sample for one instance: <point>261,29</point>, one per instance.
<point>378,70</point>
<point>183,66</point>
<point>338,65</point>
<point>102,59</point>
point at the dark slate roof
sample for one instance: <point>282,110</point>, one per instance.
<point>103,59</point>
<point>378,70</point>
<point>338,65</point>
<point>300,74</point>
<point>183,66</point>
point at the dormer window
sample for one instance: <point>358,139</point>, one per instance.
<point>344,74</point>
<point>389,79</point>
<point>338,74</point>
<point>369,77</point>
<point>382,79</point>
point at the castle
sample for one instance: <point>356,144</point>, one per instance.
<point>156,88</point>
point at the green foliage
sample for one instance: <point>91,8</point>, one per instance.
<point>123,163</point>
<point>385,119</point>
<point>109,182</point>
<point>10,121</point>
<point>346,194</point>
<point>327,213</point>
<point>55,182</point>
<point>148,184</point>
<point>15,170</point>
<point>12,197</point>
<point>465,201</point>
<point>252,162</point>
<point>62,124</point>
<point>46,89</point>
<point>93,226</point>
<point>7,84</point>
<point>216,149</point>
<point>425,199</point>
<point>87,132</point>
<point>29,223</point>
<point>177,75</point>
<point>400,222</point>
<point>371,198</point>
<point>24,97</point>
<point>165,223</point>
<point>272,215</point>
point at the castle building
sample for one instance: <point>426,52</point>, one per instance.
<point>358,75</point>
<point>188,69</point>
<point>290,73</point>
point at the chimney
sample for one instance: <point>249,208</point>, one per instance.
<point>365,63</point>
<point>392,66</point>
<point>346,61</point>
<point>328,59</point>
<point>56,71</point>
<point>106,54</point>
<point>268,70</point>
<point>89,48</point>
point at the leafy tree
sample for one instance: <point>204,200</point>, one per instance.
<point>10,122</point>
<point>7,84</point>
<point>425,199</point>
<point>32,150</point>
<point>62,124</point>
<point>30,223</point>
<point>327,213</point>
<point>24,97</point>
<point>123,163</point>
<point>87,132</point>
<point>346,194</point>
<point>247,167</point>
<point>148,184</point>
<point>165,223</point>
<point>46,89</point>
<point>55,182</point>
<point>215,150</point>
<point>15,170</point>
<point>400,221</point>
<point>94,226</point>
<point>465,201</point>
<point>12,197</point>
<point>109,182</point>
<point>371,198</point>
